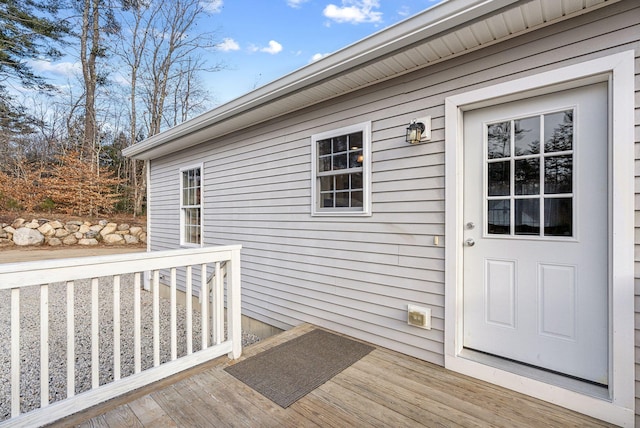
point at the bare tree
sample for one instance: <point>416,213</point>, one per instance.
<point>98,21</point>
<point>160,48</point>
<point>173,47</point>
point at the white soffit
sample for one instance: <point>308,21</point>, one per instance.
<point>452,28</point>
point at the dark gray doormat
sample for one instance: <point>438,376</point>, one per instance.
<point>289,371</point>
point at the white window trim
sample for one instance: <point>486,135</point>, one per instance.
<point>618,70</point>
<point>365,128</point>
<point>182,219</point>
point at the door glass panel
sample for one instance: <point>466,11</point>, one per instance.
<point>499,217</point>
<point>558,216</point>
<point>499,179</point>
<point>527,176</point>
<point>514,156</point>
<point>558,131</point>
<point>499,140</point>
<point>527,136</point>
<point>527,217</point>
<point>558,174</point>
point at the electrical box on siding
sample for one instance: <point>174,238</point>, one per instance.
<point>418,316</point>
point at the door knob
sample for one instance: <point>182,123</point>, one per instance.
<point>469,242</point>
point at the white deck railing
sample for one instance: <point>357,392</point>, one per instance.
<point>93,275</point>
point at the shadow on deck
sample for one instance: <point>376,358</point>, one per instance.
<point>384,388</point>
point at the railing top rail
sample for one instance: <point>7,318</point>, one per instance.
<point>24,274</point>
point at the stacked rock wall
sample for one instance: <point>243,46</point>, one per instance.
<point>56,233</point>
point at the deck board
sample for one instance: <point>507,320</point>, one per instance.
<point>383,389</point>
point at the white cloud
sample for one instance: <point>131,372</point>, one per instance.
<point>296,3</point>
<point>318,57</point>
<point>354,11</point>
<point>274,48</point>
<point>227,45</point>
<point>65,68</point>
<point>404,11</point>
<point>212,6</point>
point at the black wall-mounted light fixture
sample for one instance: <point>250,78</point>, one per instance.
<point>419,130</point>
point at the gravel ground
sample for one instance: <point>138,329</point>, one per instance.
<point>30,339</point>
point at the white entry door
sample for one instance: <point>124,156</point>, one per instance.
<point>536,232</point>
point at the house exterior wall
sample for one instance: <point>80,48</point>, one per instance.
<point>356,275</point>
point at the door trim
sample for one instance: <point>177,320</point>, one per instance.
<point>618,71</point>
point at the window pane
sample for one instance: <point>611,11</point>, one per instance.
<point>527,217</point>
<point>326,200</point>
<point>498,140</point>
<point>355,159</point>
<point>558,174</point>
<point>527,135</point>
<point>527,176</point>
<point>326,184</point>
<point>188,200</point>
<point>324,147</point>
<point>355,141</point>
<point>196,179</point>
<point>340,144</point>
<point>356,181</point>
<point>342,199</point>
<point>324,164</point>
<point>558,216</point>
<point>356,199</point>
<point>339,162</point>
<point>342,182</point>
<point>499,217</point>
<point>558,131</point>
<point>499,179</point>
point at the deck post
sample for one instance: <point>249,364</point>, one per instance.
<point>234,317</point>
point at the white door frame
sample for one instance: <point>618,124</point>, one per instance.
<point>618,70</point>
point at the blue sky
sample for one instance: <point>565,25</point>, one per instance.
<point>262,40</point>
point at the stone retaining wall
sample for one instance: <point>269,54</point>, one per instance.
<point>56,233</point>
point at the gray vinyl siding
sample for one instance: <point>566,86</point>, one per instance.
<point>357,275</point>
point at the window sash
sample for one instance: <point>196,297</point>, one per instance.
<point>191,206</point>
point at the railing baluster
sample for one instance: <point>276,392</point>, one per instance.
<point>15,352</point>
<point>204,304</point>
<point>44,345</point>
<point>215,305</point>
<point>71,345</point>
<point>189,314</point>
<point>116,327</point>
<point>137,342</point>
<point>95,334</point>
<point>156,318</point>
<point>174,334</point>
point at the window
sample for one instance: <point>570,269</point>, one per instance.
<point>341,165</point>
<point>529,184</point>
<point>191,206</point>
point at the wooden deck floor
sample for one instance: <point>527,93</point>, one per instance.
<point>384,389</point>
